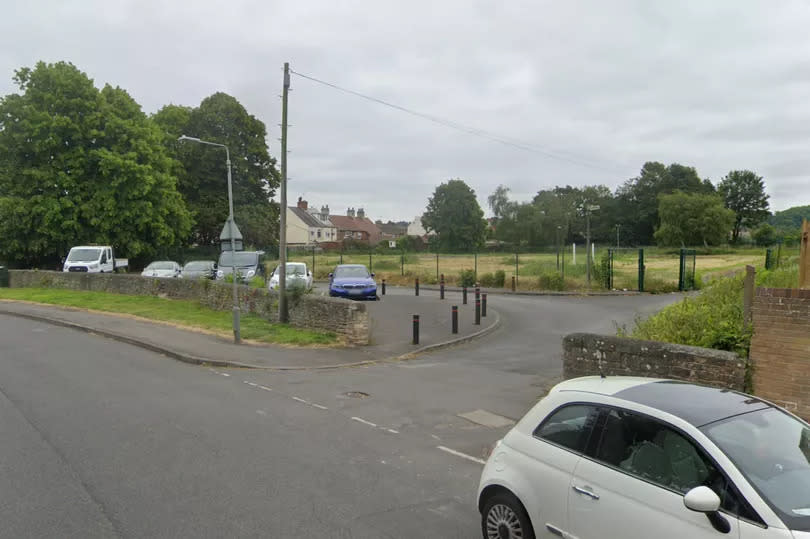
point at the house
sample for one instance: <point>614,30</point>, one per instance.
<point>415,227</point>
<point>391,230</point>
<point>356,226</point>
<point>308,227</point>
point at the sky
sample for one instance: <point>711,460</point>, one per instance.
<point>559,93</point>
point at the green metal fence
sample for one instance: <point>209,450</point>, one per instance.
<point>686,274</point>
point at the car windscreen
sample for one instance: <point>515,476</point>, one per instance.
<point>160,266</point>
<point>198,266</point>
<point>83,255</point>
<point>351,271</point>
<point>772,450</point>
<point>296,269</point>
<point>242,259</point>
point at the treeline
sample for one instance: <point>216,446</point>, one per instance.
<point>79,164</point>
<point>668,205</point>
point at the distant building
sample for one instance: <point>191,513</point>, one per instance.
<point>391,230</point>
<point>305,227</point>
<point>356,226</point>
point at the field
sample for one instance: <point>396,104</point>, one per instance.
<point>539,271</point>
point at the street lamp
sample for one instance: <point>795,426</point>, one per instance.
<point>232,231</point>
<point>588,209</point>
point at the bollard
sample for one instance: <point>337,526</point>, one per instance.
<point>464,295</point>
<point>441,287</point>
<point>455,318</point>
<point>513,283</point>
<point>383,287</point>
<point>416,329</point>
<point>483,304</point>
<point>417,286</point>
<point>478,312</point>
<point>477,292</point>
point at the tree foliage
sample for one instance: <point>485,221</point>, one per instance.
<point>744,193</point>
<point>764,235</point>
<point>692,219</point>
<point>82,165</point>
<point>454,215</point>
<point>202,178</point>
<point>790,220</point>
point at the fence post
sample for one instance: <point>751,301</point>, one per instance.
<point>416,329</point>
<point>483,304</point>
<point>641,270</point>
<point>516,272</point>
<point>383,287</point>
<point>610,269</point>
<point>416,284</point>
<point>681,271</point>
<point>574,251</point>
<point>454,313</point>
<point>768,259</point>
<point>402,264</point>
<point>437,264</point>
<point>513,283</point>
<point>748,294</point>
<point>476,268</point>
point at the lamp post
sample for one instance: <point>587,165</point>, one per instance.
<point>231,226</point>
<point>588,209</point>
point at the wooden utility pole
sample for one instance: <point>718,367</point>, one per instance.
<point>283,313</point>
<point>804,257</point>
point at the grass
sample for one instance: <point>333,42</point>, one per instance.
<point>180,312</point>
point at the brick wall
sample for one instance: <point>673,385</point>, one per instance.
<point>348,319</point>
<point>780,347</point>
<point>583,353</point>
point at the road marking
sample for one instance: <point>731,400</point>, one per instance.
<point>224,374</point>
<point>299,399</point>
<point>261,412</point>
<point>460,454</point>
<point>392,431</point>
<point>363,421</point>
<point>319,406</point>
<point>265,388</point>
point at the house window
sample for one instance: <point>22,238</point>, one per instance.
<point>319,233</point>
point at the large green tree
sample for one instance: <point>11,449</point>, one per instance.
<point>82,165</point>
<point>202,177</point>
<point>454,215</point>
<point>689,219</point>
<point>744,194</point>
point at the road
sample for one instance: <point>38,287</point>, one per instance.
<point>106,440</point>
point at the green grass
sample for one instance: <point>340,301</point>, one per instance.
<point>180,312</point>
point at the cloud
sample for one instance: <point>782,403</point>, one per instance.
<point>595,88</point>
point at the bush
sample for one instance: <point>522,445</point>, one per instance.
<point>551,281</point>
<point>601,271</point>
<point>487,280</point>
<point>467,278</point>
<point>500,279</point>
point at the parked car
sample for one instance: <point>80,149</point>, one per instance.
<point>352,281</point>
<point>630,458</point>
<point>248,264</point>
<point>199,269</point>
<point>297,276</point>
<point>93,259</point>
<point>162,268</point>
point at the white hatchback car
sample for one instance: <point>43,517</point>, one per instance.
<point>632,458</point>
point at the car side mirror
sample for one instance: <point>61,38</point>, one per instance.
<point>331,275</point>
<point>702,499</point>
<point>372,275</point>
<point>309,274</point>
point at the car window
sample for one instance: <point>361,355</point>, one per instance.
<point>652,450</point>
<point>569,426</point>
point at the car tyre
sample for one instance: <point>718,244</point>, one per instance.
<point>504,516</point>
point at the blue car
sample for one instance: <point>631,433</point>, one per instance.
<point>352,281</point>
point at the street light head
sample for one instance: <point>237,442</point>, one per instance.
<point>184,137</point>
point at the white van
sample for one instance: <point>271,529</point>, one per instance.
<point>93,259</point>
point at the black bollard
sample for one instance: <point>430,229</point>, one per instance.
<point>478,312</point>
<point>383,288</point>
<point>441,288</point>
<point>483,304</point>
<point>417,286</point>
<point>455,318</point>
<point>464,295</point>
<point>477,292</point>
<point>416,329</point>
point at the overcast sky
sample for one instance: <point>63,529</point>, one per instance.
<point>594,88</point>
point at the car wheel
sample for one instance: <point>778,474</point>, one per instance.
<point>504,517</point>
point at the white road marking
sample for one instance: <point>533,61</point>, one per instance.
<point>460,454</point>
<point>299,399</point>
<point>261,412</point>
<point>363,421</point>
<point>265,388</point>
<point>224,374</point>
<point>392,431</point>
<point>319,406</point>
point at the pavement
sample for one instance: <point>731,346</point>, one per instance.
<point>104,439</point>
<point>391,334</point>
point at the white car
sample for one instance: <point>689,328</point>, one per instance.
<point>632,458</point>
<point>297,276</point>
<point>162,268</point>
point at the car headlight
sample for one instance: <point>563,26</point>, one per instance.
<point>250,273</point>
<point>220,274</point>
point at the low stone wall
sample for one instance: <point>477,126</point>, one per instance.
<point>348,319</point>
<point>584,353</point>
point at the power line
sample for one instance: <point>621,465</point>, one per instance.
<point>507,141</point>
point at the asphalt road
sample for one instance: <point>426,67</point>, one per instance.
<point>102,439</point>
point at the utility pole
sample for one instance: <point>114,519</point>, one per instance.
<point>283,314</point>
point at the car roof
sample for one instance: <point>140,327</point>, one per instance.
<point>89,246</point>
<point>351,266</point>
<point>696,404</point>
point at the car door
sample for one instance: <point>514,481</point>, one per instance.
<point>632,486</point>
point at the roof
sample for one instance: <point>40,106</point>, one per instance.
<point>393,229</point>
<point>696,404</point>
<point>361,224</point>
<point>308,218</point>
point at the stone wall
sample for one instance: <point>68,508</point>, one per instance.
<point>584,353</point>
<point>780,347</point>
<point>348,319</point>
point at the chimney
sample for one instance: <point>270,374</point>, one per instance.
<point>361,213</point>
<point>325,210</point>
<point>302,203</point>
<point>350,212</point>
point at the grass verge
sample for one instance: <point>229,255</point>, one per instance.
<point>180,312</point>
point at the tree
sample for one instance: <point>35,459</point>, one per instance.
<point>82,165</point>
<point>499,202</point>
<point>744,193</point>
<point>764,235</point>
<point>202,178</point>
<point>454,215</point>
<point>564,207</point>
<point>692,219</point>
